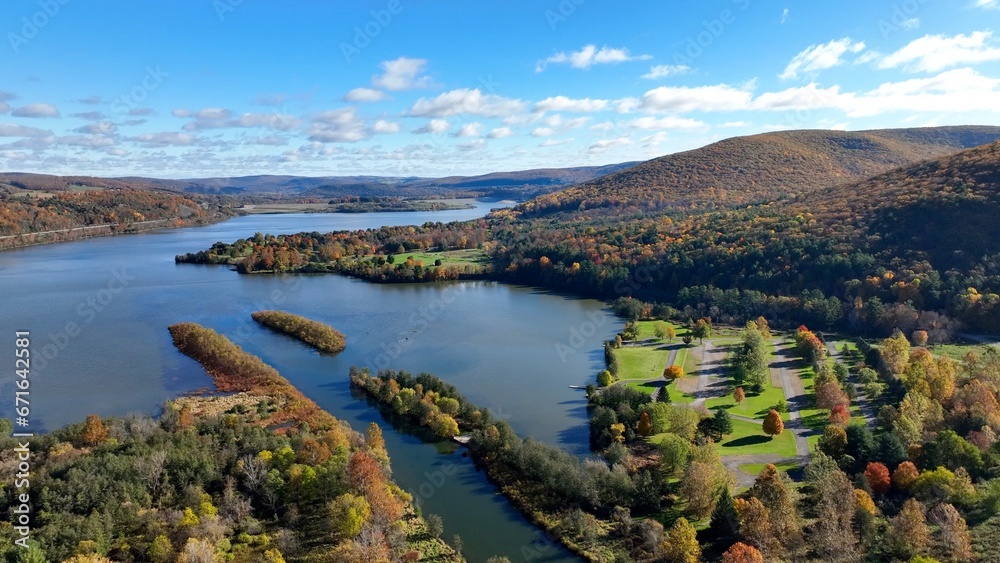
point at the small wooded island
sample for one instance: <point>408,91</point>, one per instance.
<point>320,336</point>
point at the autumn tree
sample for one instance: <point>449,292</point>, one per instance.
<point>895,352</point>
<point>644,427</point>
<point>919,338</point>
<point>763,327</point>
<point>680,543</point>
<point>740,552</point>
<point>832,536</point>
<point>773,425</point>
<point>701,486</point>
<point>348,513</point>
<point>702,329</point>
<point>829,394</point>
<point>755,524</point>
<point>94,433</point>
<point>953,532</point>
<point>878,478</point>
<point>739,395</point>
<point>776,492</point>
<point>673,373</point>
<point>833,442</point>
<point>839,415</point>
<point>908,533</point>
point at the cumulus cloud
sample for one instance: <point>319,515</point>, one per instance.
<point>384,127</point>
<point>605,144</point>
<point>562,103</point>
<point>470,130</point>
<point>140,112</point>
<point>988,4</point>
<point>361,95</point>
<point>669,122</point>
<point>91,100</point>
<point>402,74</point>
<point>500,133</point>
<point>821,57</point>
<point>11,130</point>
<point>98,128</point>
<point>590,55</point>
<point>933,53</point>
<point>338,126</point>
<point>434,126</point>
<point>36,110</point>
<point>465,101</point>
<point>681,99</point>
<point>90,115</point>
<point>164,139</point>
<point>663,71</point>
<point>542,132</point>
<point>555,142</point>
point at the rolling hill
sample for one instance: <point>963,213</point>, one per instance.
<point>757,168</point>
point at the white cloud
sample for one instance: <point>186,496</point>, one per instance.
<point>338,126</point>
<point>11,130</point>
<point>470,130</point>
<point>465,101</point>
<point>269,140</point>
<point>933,53</point>
<point>680,99</point>
<point>562,103</point>
<point>434,126</point>
<point>542,132</point>
<point>500,133</point>
<point>276,121</point>
<point>988,4</point>
<point>383,127</point>
<point>555,142</point>
<point>181,113</point>
<point>165,139</point>
<point>86,141</point>
<point>821,57</point>
<point>805,97</point>
<point>98,128</point>
<point>360,95</point>
<point>912,23</point>
<point>590,55</point>
<point>653,140</point>
<point>669,122</point>
<point>36,110</point>
<point>221,118</point>
<point>605,144</point>
<point>663,71</point>
<point>730,124</point>
<point>784,15</point>
<point>402,74</point>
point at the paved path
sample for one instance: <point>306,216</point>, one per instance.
<point>862,401</point>
<point>733,463</point>
<point>796,398</point>
<point>711,373</point>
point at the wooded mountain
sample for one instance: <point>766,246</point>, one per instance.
<point>758,168</point>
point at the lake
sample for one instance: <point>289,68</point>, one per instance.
<point>98,312</point>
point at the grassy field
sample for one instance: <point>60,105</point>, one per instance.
<point>957,350</point>
<point>460,258</point>
<point>749,439</point>
<point>643,362</point>
<point>647,330</point>
<point>754,406</point>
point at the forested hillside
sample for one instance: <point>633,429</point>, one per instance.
<point>752,169</point>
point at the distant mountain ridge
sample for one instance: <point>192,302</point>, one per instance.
<point>756,168</point>
<point>521,184</point>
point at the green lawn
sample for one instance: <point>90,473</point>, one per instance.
<point>749,439</point>
<point>647,331</point>
<point>754,406</point>
<point>460,258</point>
<point>958,350</point>
<point>642,362</point>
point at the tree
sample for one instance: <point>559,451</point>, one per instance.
<point>919,337</point>
<point>348,514</point>
<point>839,415</point>
<point>755,523</point>
<point>832,536</point>
<point>878,478</point>
<point>773,425</point>
<point>671,333</point>
<point>701,486</point>
<point>663,395</point>
<point>829,395</point>
<point>908,533</point>
<point>644,427</point>
<point>680,543</point>
<point>687,339</point>
<point>739,395</point>
<point>702,329</point>
<point>864,501</point>
<point>763,327</point>
<point>776,493</point>
<point>895,352</point>
<point>604,378</point>
<point>833,442</point>
<point>740,552</point>
<point>660,330</point>
<point>721,423</point>
<point>725,521</point>
<point>94,432</point>
<point>673,373</point>
<point>953,532</point>
<point>631,331</point>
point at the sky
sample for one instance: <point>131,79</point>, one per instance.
<point>196,88</point>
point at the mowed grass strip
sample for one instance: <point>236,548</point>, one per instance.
<point>641,362</point>
<point>749,439</point>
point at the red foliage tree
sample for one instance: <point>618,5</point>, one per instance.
<point>878,478</point>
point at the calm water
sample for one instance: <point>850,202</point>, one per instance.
<point>98,311</point>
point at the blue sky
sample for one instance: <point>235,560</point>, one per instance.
<point>193,88</point>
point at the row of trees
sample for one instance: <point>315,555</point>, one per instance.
<point>320,336</point>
